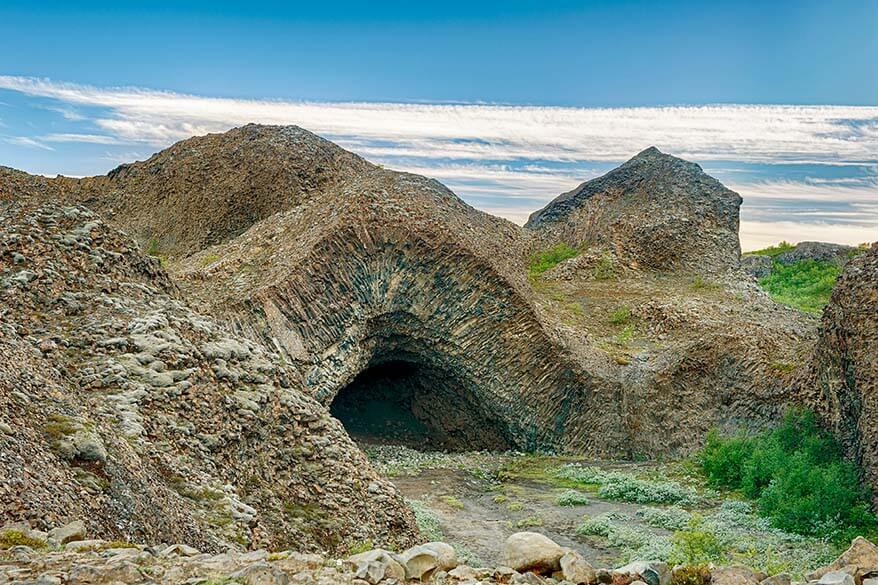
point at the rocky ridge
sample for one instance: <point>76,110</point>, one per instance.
<point>123,407</point>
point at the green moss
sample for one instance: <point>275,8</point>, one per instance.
<point>691,575</point>
<point>10,538</point>
<point>452,502</point>
<point>209,259</point>
<point>360,546</point>
<point>805,285</point>
<point>59,426</point>
<point>547,259</point>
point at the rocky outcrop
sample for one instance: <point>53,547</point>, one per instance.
<point>844,370</point>
<point>655,211</point>
<point>123,407</point>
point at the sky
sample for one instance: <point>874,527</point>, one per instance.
<point>508,103</point>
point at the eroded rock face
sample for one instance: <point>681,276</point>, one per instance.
<point>844,371</point>
<point>151,421</point>
<point>656,210</point>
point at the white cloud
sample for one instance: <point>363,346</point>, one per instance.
<point>499,157</point>
<point>476,131</point>
<point>26,141</point>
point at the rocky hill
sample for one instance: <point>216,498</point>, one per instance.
<point>299,278</point>
<point>123,407</point>
<point>656,211</point>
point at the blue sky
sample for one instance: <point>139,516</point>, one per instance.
<point>509,103</point>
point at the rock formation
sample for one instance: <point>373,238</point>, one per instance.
<point>657,211</point>
<point>123,407</point>
<point>300,277</point>
<point>844,371</point>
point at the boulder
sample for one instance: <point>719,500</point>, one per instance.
<point>837,578</point>
<point>375,565</point>
<point>861,554</point>
<point>531,551</point>
<point>779,579</point>
<point>650,572</point>
<point>260,573</point>
<point>576,569</point>
<point>67,533</point>
<point>421,561</point>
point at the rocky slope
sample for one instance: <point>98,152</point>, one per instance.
<point>655,211</point>
<point>122,407</point>
<point>844,372</point>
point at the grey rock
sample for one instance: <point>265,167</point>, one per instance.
<point>531,551</point>
<point>67,533</point>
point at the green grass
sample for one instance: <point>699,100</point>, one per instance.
<point>805,285</point>
<point>452,502</point>
<point>796,474</point>
<point>547,259</point>
<point>773,251</point>
<point>10,538</point>
<point>620,316</point>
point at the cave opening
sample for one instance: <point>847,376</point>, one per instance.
<point>408,402</point>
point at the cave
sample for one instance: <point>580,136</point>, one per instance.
<point>407,402</point>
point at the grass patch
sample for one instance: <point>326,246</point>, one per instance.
<point>452,502</point>
<point>805,285</point>
<point>529,522</point>
<point>427,520</point>
<point>773,251</point>
<point>548,259</point>
<point>10,538</point>
<point>797,475</point>
<point>620,316</point>
<point>699,283</point>
<point>209,259</point>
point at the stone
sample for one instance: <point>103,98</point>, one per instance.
<point>651,572</point>
<point>576,569</point>
<point>734,576</point>
<point>779,579</point>
<point>81,545</point>
<point>861,553</point>
<point>422,560</point>
<point>531,551</point>
<point>261,573</point>
<point>64,534</point>
<point>182,550</point>
<point>837,578</point>
<point>375,565</point>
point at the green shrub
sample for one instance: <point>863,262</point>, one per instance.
<point>797,475</point>
<point>550,258</point>
<point>691,575</point>
<point>696,545</point>
<point>805,285</point>
<point>427,520</point>
<point>572,498</point>
<point>620,316</point>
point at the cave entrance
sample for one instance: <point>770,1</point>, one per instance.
<point>400,401</point>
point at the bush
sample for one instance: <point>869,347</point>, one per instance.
<point>572,498</point>
<point>696,545</point>
<point>805,285</point>
<point>550,258</point>
<point>797,475</point>
<point>773,251</point>
<point>615,485</point>
<point>671,518</point>
<point>620,316</point>
<point>691,575</point>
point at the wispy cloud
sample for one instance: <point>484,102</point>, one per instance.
<point>26,141</point>
<point>511,160</point>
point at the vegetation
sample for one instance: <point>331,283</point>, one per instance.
<point>670,518</point>
<point>427,520</point>
<point>805,285</point>
<point>10,538</point>
<point>572,498</point>
<point>620,316</point>
<point>696,545</point>
<point>452,502</point>
<point>796,474</point>
<point>615,485</point>
<point>605,269</point>
<point>691,575</point>
<point>550,258</point>
<point>773,251</point>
